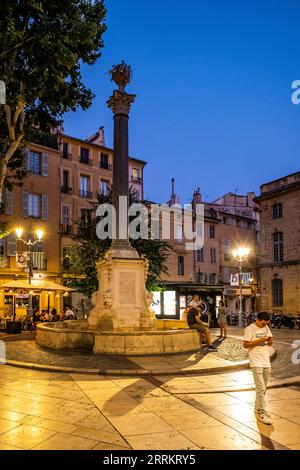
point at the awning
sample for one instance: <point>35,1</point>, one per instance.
<point>42,285</point>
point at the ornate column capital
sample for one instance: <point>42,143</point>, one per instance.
<point>120,102</point>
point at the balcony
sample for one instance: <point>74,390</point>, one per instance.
<point>66,190</point>
<point>85,160</point>
<point>106,166</point>
<point>136,180</point>
<point>66,229</point>
<point>38,260</point>
<point>85,194</point>
<point>66,156</point>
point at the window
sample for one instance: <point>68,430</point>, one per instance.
<point>201,277</point>
<point>213,278</point>
<point>86,215</point>
<point>104,187</point>
<point>179,232</point>
<point>277,211</point>
<point>226,248</point>
<point>136,177</point>
<point>66,259</point>
<point>66,215</point>
<point>180,265</point>
<point>34,205</point>
<point>278,246</point>
<point>65,149</point>
<point>213,255</point>
<point>277,292</point>
<point>200,255</point>
<point>84,186</point>
<point>84,155</point>
<point>104,161</point>
<point>226,275</point>
<point>34,162</point>
<point>212,233</point>
<point>65,181</point>
<point>2,247</point>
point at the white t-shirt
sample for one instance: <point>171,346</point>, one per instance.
<point>259,354</point>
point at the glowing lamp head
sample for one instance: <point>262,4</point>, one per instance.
<point>40,234</point>
<point>19,232</point>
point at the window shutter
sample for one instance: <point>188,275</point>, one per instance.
<point>44,207</point>
<point>11,245</point>
<point>45,164</point>
<point>27,159</point>
<point>24,203</point>
<point>9,202</point>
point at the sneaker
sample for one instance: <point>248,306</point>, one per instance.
<point>265,419</point>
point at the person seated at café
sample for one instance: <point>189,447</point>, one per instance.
<point>69,314</point>
<point>54,315</point>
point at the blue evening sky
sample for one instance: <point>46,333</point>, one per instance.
<point>213,85</point>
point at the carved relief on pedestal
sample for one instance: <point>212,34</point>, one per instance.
<point>107,299</point>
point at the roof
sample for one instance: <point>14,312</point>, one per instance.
<point>86,142</point>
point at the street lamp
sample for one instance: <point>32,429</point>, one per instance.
<point>240,255</point>
<point>29,244</point>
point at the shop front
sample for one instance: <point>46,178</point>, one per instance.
<point>232,301</point>
<point>171,303</point>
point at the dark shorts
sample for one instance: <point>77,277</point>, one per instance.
<point>199,327</point>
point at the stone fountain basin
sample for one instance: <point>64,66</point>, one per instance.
<point>75,334</point>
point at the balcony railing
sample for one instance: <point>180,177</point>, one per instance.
<point>85,160</point>
<point>106,166</point>
<point>85,194</point>
<point>66,190</point>
<point>66,229</point>
<point>66,155</point>
<point>136,179</point>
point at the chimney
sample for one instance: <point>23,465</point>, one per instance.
<point>101,136</point>
<point>174,199</point>
<point>250,197</point>
<point>197,197</point>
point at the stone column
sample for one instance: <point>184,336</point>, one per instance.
<point>120,104</point>
<point>122,302</point>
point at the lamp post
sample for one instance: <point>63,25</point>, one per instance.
<point>240,255</point>
<point>29,244</point>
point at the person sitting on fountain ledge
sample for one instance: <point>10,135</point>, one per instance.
<point>194,322</point>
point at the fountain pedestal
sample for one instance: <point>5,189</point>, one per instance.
<point>122,302</point>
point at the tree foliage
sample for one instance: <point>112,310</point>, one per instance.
<point>89,249</point>
<point>42,46</point>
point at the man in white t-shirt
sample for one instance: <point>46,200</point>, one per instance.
<point>257,338</point>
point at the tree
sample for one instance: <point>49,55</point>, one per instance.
<point>42,45</point>
<point>82,257</point>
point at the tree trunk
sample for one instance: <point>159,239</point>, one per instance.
<point>3,166</point>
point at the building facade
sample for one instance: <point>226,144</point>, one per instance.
<point>207,271</point>
<point>279,256</point>
<point>61,182</point>
<point>34,206</point>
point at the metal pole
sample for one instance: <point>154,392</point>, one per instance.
<point>29,279</point>
<point>241,320</point>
